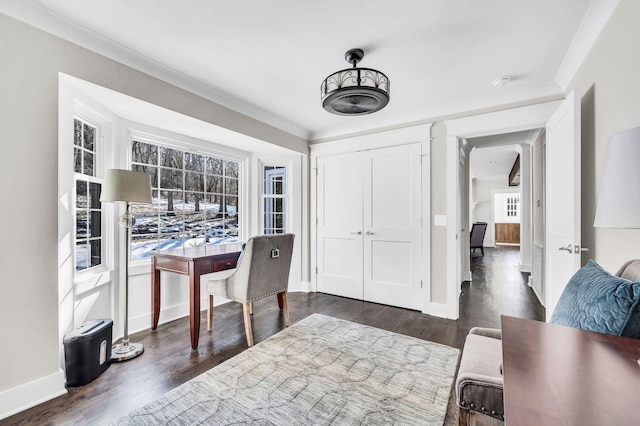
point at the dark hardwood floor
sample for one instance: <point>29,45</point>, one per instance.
<point>497,288</point>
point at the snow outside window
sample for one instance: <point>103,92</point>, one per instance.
<point>88,209</point>
<point>275,192</point>
<point>195,199</point>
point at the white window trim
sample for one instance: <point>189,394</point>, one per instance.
<point>287,165</point>
<point>92,277</point>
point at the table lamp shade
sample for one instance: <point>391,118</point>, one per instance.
<point>122,186</point>
<point>619,195</point>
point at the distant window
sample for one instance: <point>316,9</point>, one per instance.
<point>512,206</point>
<point>195,199</point>
<point>274,194</point>
<point>88,209</point>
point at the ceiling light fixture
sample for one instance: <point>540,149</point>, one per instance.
<point>355,91</point>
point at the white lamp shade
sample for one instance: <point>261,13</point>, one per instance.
<point>619,195</point>
<point>125,186</point>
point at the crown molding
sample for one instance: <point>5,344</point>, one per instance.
<point>38,16</point>
<point>540,92</point>
<point>592,25</point>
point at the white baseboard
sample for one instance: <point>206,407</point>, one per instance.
<point>306,287</point>
<point>22,397</point>
<point>441,310</point>
<point>525,267</point>
<point>538,296</point>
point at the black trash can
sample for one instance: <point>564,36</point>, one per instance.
<point>87,351</point>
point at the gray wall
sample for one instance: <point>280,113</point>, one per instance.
<point>31,60</point>
<point>438,207</point>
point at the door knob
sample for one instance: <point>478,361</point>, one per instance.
<point>574,249</point>
<point>370,233</point>
<point>356,233</point>
<point>568,248</point>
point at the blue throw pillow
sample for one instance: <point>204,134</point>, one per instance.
<point>595,300</point>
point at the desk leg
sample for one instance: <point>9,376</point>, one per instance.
<point>194,295</point>
<point>155,294</point>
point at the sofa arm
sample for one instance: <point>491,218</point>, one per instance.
<point>479,384</point>
<point>494,333</point>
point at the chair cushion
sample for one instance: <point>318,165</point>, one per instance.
<point>595,300</point>
<point>479,383</point>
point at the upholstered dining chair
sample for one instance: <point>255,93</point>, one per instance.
<point>262,270</point>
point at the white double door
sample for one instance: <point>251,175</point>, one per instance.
<point>369,225</point>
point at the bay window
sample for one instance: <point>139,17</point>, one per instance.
<point>195,199</point>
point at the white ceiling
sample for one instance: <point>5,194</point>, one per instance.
<point>267,59</point>
<point>492,163</point>
<point>492,157</point>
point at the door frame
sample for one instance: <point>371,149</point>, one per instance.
<point>500,122</point>
<point>420,133</point>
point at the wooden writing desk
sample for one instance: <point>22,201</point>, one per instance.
<point>191,261</point>
<point>556,375</point>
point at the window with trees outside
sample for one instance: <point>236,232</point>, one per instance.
<point>88,209</point>
<point>195,200</point>
<point>274,194</point>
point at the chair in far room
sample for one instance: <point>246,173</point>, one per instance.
<point>262,270</point>
<point>478,230</point>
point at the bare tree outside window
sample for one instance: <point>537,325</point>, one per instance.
<point>88,209</point>
<point>195,199</point>
<point>274,195</point>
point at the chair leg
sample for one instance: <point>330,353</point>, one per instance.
<point>280,300</point>
<point>251,308</point>
<point>285,307</point>
<point>247,323</point>
<point>464,417</point>
<point>210,313</point>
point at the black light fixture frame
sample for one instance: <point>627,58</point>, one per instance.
<point>355,91</point>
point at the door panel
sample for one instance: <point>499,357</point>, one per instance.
<point>369,225</point>
<point>388,262</point>
<point>562,179</point>
<point>392,226</point>
<point>339,249</point>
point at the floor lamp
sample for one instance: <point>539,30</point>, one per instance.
<point>125,186</point>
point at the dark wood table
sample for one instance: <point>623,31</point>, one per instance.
<point>191,261</point>
<point>555,375</point>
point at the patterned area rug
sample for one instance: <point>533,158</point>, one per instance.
<point>320,371</point>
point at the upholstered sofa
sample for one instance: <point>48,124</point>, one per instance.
<point>592,300</point>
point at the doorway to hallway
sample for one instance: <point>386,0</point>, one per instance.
<point>498,287</point>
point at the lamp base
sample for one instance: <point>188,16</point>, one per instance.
<point>125,351</point>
